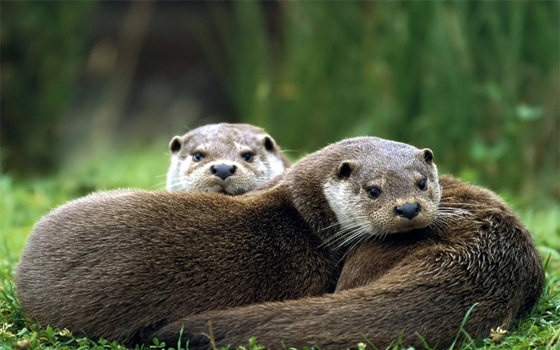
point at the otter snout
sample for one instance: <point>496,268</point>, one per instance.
<point>223,171</point>
<point>408,210</point>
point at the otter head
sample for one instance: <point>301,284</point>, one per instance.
<point>382,187</point>
<point>226,158</point>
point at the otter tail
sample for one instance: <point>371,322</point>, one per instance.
<point>437,302</point>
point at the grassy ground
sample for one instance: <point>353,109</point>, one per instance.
<point>22,203</point>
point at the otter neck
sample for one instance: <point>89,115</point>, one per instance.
<point>307,195</point>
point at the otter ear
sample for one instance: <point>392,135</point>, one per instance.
<point>175,144</point>
<point>345,169</point>
<point>268,143</point>
<point>428,155</point>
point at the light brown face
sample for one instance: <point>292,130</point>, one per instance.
<point>392,189</point>
<point>226,158</point>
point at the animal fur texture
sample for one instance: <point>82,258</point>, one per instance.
<point>121,264</point>
<point>476,256</point>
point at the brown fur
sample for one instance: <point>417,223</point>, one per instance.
<point>423,281</point>
<point>120,264</point>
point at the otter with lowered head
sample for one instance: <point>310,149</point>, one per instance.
<point>121,264</point>
<point>227,158</point>
<point>476,256</point>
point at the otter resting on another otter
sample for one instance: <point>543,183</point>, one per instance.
<point>121,264</point>
<point>475,256</point>
<point>228,158</point>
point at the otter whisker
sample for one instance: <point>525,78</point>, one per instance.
<point>343,233</point>
<point>452,209</point>
<point>364,238</point>
<point>459,204</point>
<point>445,217</point>
<point>262,178</point>
<point>330,226</point>
<point>358,232</point>
<point>353,236</point>
<point>455,212</point>
<point>347,225</point>
<point>160,185</point>
<point>455,208</point>
<point>173,183</point>
<point>340,235</point>
<point>440,223</point>
<point>353,246</point>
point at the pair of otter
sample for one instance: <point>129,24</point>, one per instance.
<point>132,265</point>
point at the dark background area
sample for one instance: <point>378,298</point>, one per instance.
<point>478,82</point>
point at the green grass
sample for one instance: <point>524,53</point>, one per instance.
<point>24,202</point>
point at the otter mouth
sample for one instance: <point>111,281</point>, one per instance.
<point>228,189</point>
<point>221,189</point>
<point>412,225</point>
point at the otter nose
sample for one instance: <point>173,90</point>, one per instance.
<point>223,171</point>
<point>408,210</point>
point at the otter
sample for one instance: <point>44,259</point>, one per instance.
<point>122,264</point>
<point>473,269</point>
<point>228,158</point>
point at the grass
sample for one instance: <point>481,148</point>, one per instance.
<point>23,202</point>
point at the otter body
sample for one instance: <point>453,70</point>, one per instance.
<point>124,263</point>
<point>477,254</point>
<point>228,158</point>
<point>116,264</point>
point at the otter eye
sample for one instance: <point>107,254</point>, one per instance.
<point>374,192</point>
<point>248,157</point>
<point>423,184</point>
<point>197,157</point>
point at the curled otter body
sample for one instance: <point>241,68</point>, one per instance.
<point>228,158</point>
<point>477,255</point>
<point>122,264</point>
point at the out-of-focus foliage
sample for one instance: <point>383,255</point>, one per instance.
<point>476,81</point>
<point>43,47</point>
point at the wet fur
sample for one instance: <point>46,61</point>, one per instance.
<point>423,281</point>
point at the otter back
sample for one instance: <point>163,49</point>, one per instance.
<point>117,264</point>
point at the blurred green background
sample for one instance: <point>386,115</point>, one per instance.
<point>93,91</point>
